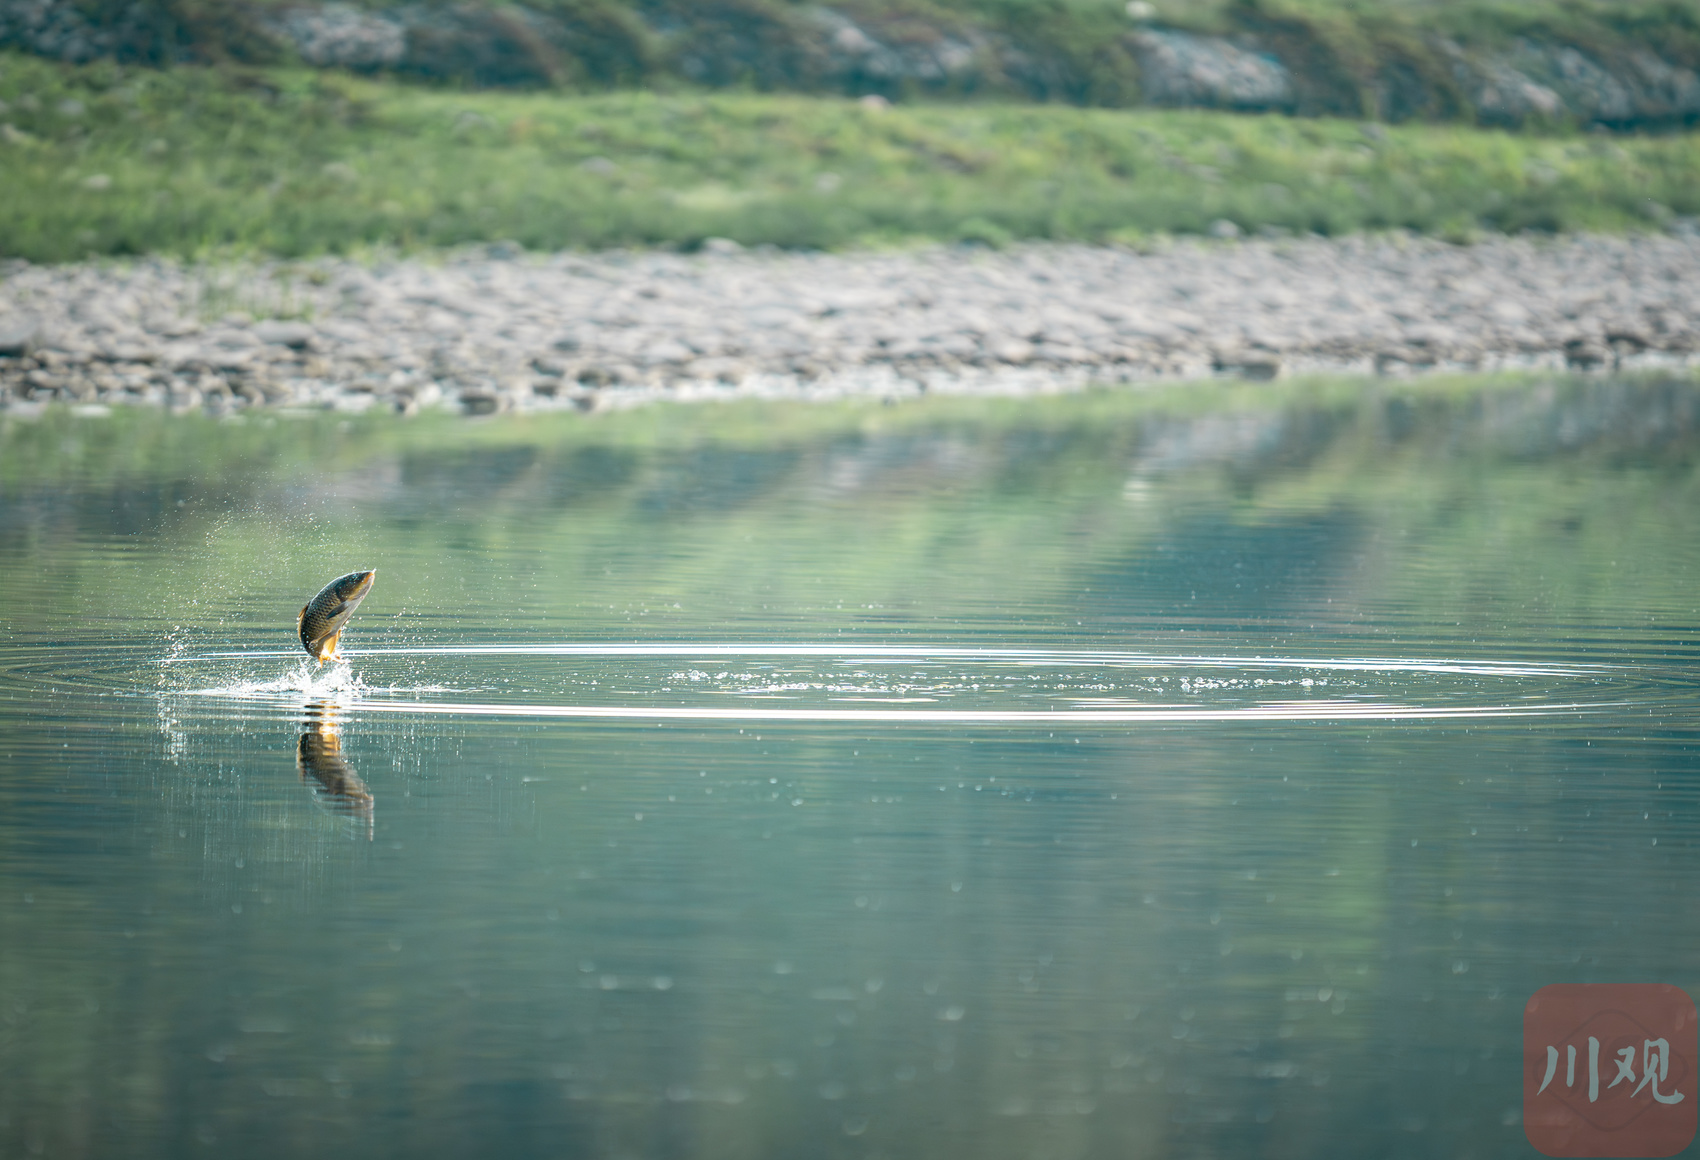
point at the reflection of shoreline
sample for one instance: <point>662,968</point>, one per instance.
<point>333,782</point>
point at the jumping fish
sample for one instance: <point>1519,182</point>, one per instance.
<point>321,621</point>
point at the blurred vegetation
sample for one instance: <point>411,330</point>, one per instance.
<point>1349,57</point>
<point>108,159</point>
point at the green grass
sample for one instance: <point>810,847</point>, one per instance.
<point>107,160</point>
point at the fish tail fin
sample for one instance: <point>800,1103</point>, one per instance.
<point>327,650</point>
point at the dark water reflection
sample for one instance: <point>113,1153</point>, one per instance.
<point>249,908</point>
<point>326,772</point>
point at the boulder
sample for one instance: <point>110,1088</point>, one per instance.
<point>1182,69</point>
<point>17,337</point>
<point>341,36</point>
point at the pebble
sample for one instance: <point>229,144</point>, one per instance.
<point>494,329</point>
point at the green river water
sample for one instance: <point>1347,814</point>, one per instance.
<point>1207,772</point>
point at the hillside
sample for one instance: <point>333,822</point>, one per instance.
<point>1629,65</point>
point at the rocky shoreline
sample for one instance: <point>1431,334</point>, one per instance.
<point>496,329</point>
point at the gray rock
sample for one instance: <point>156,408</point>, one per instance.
<point>666,350</point>
<point>1248,359</point>
<point>1587,353</point>
<point>17,337</point>
<point>341,36</point>
<point>720,369</point>
<point>621,328</point>
<point>1013,351</point>
<point>1538,81</point>
<point>280,332</point>
<point>1587,89</point>
<point>1665,91</point>
<point>859,53</point>
<point>1181,69</point>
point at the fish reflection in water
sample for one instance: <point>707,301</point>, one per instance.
<point>333,782</point>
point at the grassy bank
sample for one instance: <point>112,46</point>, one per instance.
<point>104,159</point>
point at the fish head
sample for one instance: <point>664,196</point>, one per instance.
<point>355,585</point>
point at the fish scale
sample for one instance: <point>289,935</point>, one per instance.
<point>322,618</point>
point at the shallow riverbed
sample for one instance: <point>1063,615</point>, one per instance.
<point>1131,773</point>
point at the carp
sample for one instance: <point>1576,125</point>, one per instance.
<point>322,619</point>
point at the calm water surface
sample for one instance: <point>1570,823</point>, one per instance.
<point>1212,773</point>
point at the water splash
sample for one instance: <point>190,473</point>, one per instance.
<point>336,682</point>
